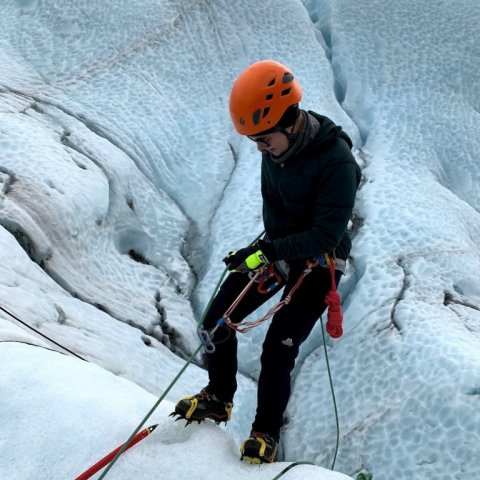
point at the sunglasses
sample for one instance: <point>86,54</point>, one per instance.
<point>263,141</point>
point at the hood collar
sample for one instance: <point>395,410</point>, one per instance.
<point>309,129</point>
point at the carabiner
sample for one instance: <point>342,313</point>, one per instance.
<point>269,280</point>
<point>206,339</point>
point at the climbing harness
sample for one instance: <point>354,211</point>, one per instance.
<point>332,299</point>
<point>246,326</point>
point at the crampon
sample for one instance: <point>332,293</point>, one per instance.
<point>202,406</point>
<point>259,448</point>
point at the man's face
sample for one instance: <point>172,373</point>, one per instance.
<point>275,143</point>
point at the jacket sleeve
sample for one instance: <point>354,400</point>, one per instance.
<point>332,210</point>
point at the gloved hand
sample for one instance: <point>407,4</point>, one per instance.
<point>250,258</point>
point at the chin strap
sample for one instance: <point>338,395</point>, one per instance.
<point>291,137</point>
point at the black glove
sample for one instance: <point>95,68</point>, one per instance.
<point>251,258</point>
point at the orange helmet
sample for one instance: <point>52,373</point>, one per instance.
<point>261,95</point>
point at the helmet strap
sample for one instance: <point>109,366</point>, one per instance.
<point>291,136</point>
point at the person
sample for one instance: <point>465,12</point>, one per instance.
<point>309,180</point>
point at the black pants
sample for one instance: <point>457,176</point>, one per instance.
<point>288,329</point>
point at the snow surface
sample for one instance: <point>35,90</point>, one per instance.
<point>123,184</point>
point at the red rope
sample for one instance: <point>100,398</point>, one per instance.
<point>334,302</point>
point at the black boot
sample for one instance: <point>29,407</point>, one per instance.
<point>201,406</point>
<point>259,448</point>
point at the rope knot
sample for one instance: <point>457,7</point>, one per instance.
<point>335,314</point>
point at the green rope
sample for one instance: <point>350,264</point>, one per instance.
<point>294,464</point>
<point>333,395</point>
<point>304,462</point>
<point>364,476</point>
<point>215,290</point>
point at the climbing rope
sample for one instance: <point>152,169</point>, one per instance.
<point>332,389</point>
<point>334,302</point>
<point>364,476</point>
<point>41,334</point>
<point>293,464</point>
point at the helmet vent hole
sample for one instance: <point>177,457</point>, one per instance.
<point>285,92</point>
<point>256,117</point>
<point>266,111</point>
<point>272,82</point>
<point>287,77</point>
<point>269,96</point>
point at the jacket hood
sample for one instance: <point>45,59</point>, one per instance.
<point>328,132</point>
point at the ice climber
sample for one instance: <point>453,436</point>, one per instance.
<point>309,180</point>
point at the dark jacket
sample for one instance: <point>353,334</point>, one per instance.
<point>308,199</point>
